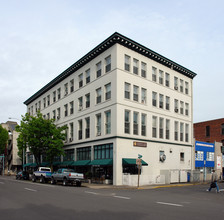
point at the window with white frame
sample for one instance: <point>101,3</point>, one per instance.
<point>154,70</point>
<point>161,77</point>
<point>58,113</point>
<point>80,129</point>
<point>44,101</point>
<point>108,91</point>
<point>127,62</point>
<point>59,93</point>
<point>135,123</point>
<point>54,114</point>
<point>127,91</point>
<point>143,96</point>
<point>154,99</point>
<point>80,80</point>
<point>143,130</point>
<point>154,126</point>
<point>135,66</point>
<point>98,125</point>
<point>48,100</point>
<point>143,69</point>
<point>72,85</point>
<point>66,109</point>
<point>127,122</point>
<point>167,103</point>
<point>108,64</point>
<point>210,156</point>
<point>186,109</point>
<point>98,69</point>
<point>186,88</point>
<point>167,129</point>
<point>87,76</point>
<point>54,96</point>
<point>186,132</point>
<point>161,97</point>
<point>87,100</point>
<point>71,132</point>
<point>71,107</point>
<point>181,85</point>
<point>199,155</point>
<point>87,132</point>
<point>167,75</point>
<point>181,131</point>
<point>135,93</point>
<point>175,83</point>
<point>65,89</point>
<point>80,103</point>
<point>161,127</point>
<point>176,129</point>
<point>181,107</point>
<point>98,95</point>
<point>181,156</point>
<point>108,122</point>
<point>176,105</point>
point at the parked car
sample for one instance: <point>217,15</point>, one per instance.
<point>43,174</point>
<point>67,176</point>
<point>22,175</point>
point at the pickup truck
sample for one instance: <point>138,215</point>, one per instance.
<point>43,174</point>
<point>67,176</point>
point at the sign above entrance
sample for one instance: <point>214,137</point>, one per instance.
<point>139,144</point>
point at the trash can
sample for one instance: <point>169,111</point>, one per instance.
<point>188,176</point>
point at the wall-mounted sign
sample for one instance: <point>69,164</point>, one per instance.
<point>139,144</point>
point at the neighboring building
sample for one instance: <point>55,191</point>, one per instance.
<point>210,131</point>
<point>12,160</point>
<point>120,100</point>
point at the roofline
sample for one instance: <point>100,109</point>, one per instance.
<point>109,42</point>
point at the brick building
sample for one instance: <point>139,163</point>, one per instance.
<point>210,131</point>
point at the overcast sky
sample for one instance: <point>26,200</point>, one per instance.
<point>40,39</point>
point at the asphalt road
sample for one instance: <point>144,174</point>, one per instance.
<point>26,200</point>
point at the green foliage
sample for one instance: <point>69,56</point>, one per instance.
<point>4,136</point>
<point>41,136</point>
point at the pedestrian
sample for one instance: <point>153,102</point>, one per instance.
<point>214,182</point>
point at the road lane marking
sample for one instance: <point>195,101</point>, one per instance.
<point>92,193</point>
<point>33,190</point>
<point>172,204</point>
<point>121,197</point>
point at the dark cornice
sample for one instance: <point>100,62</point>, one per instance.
<point>110,41</point>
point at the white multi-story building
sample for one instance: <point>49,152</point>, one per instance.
<point>120,100</point>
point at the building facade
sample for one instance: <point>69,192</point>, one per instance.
<point>120,100</point>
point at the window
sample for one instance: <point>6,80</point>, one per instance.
<point>54,114</point>
<point>222,129</point>
<point>54,96</point>
<point>210,156</point>
<point>80,129</point>
<point>175,83</point>
<point>44,100</point>
<point>59,93</point>
<point>143,96</point>
<point>181,156</point>
<point>84,153</point>
<point>143,69</point>
<point>161,100</point>
<point>108,122</point>
<point>161,155</point>
<point>143,124</point>
<point>161,77</point>
<point>80,80</point>
<point>72,85</point>
<point>98,70</point>
<point>127,122</point>
<point>199,155</point>
<point>87,100</point>
<point>80,102</point>
<point>39,105</point>
<point>66,89</point>
<point>154,99</point>
<point>154,70</point>
<point>98,96</point>
<point>58,113</point>
<point>135,93</point>
<point>69,155</point>
<point>87,127</point>
<point>181,131</point>
<point>135,66</point>
<point>186,88</point>
<point>167,103</point>
<point>154,126</point>
<point>135,123</point>
<point>186,109</point>
<point>176,131</point>
<point>207,130</point>
<point>127,90</point>
<point>87,76</point>
<point>66,110</point>
<point>104,151</point>
<point>181,85</point>
<point>187,132</point>
<point>167,79</point>
<point>108,64</point>
<point>127,62</point>
<point>48,100</point>
<point>71,132</point>
<point>71,107</point>
<point>108,91</point>
<point>161,127</point>
<point>176,105</point>
<point>181,107</point>
<point>48,116</point>
<point>98,125</point>
<point>167,129</point>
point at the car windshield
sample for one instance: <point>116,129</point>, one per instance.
<point>69,170</point>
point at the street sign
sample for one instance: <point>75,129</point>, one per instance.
<point>139,156</point>
<point>138,161</point>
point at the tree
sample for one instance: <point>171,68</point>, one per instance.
<point>4,136</point>
<point>41,136</point>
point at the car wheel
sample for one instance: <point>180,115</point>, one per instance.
<point>78,184</point>
<point>34,179</point>
<point>53,181</point>
<point>65,182</point>
<point>42,180</point>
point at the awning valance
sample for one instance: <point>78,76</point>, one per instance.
<point>81,163</point>
<point>132,161</point>
<point>102,162</point>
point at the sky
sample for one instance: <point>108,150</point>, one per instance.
<point>40,39</point>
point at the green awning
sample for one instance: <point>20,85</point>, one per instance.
<point>33,165</point>
<point>102,162</point>
<point>132,161</point>
<point>45,164</point>
<point>27,164</point>
<point>67,163</point>
<point>56,163</point>
<point>81,163</point>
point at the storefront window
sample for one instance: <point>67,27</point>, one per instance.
<point>104,151</point>
<point>84,153</point>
